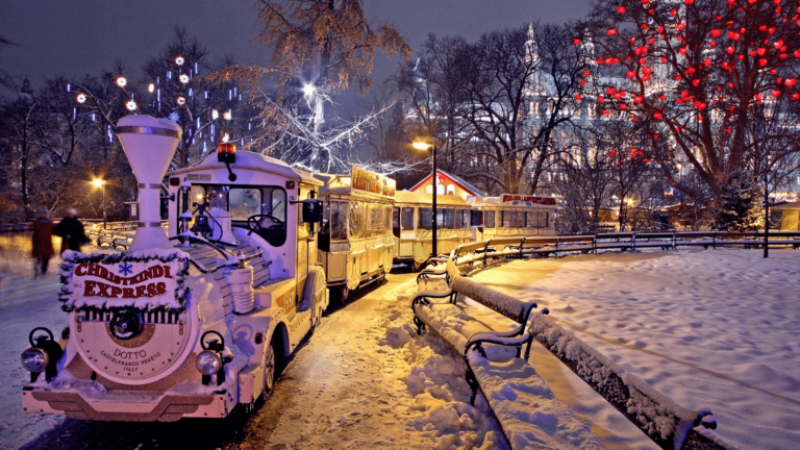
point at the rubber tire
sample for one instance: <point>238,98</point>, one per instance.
<point>415,266</point>
<point>270,371</point>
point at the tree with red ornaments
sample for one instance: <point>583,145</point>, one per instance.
<point>697,74</point>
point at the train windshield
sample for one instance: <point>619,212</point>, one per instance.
<point>262,208</point>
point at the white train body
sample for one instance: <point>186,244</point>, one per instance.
<point>175,329</point>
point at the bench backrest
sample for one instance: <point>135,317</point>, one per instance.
<point>504,242</point>
<point>510,307</point>
<point>466,248</point>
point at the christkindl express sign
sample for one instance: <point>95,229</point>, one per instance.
<point>99,280</point>
<point>124,281</point>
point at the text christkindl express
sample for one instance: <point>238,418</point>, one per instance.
<point>100,289</point>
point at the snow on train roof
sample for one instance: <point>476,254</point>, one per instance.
<point>334,184</point>
<point>441,199</point>
<point>253,161</point>
<point>495,201</point>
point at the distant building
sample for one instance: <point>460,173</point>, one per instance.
<point>447,184</point>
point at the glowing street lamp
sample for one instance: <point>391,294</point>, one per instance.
<point>308,90</point>
<point>100,183</point>
<point>424,146</point>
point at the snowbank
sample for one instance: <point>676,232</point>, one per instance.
<point>715,328</point>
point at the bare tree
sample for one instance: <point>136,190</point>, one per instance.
<point>19,122</point>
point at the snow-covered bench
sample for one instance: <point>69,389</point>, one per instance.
<point>498,368</point>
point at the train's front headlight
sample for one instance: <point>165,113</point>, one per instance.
<point>34,360</point>
<point>208,362</point>
<point>42,355</point>
<point>211,361</point>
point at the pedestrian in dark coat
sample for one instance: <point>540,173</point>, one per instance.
<point>71,231</point>
<point>42,242</point>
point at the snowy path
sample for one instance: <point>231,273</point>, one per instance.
<point>714,328</point>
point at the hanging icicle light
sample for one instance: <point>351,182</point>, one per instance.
<point>122,82</point>
<point>179,60</point>
<point>191,92</point>
<point>94,117</point>
<point>74,113</point>
<point>205,94</point>
<point>81,98</point>
<point>195,68</point>
<point>69,87</point>
<point>169,74</point>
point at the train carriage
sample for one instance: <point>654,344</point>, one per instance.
<point>356,243</point>
<point>512,216</point>
<point>413,231</point>
<point>195,325</point>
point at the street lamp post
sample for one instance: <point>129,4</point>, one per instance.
<point>424,146</point>
<point>102,184</point>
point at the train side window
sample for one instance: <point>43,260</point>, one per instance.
<point>462,218</point>
<point>425,215</point>
<point>532,220</point>
<point>509,218</point>
<point>338,221</point>
<point>357,220</point>
<point>449,218</point>
<point>407,218</point>
<point>489,218</point>
<point>477,218</point>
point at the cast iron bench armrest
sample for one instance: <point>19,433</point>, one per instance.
<point>422,299</point>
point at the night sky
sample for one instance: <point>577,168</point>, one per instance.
<point>72,38</point>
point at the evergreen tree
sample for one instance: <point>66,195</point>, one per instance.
<point>739,205</point>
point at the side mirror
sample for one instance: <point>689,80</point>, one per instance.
<point>312,211</point>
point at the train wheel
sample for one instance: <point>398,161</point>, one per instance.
<point>270,370</point>
<point>339,296</point>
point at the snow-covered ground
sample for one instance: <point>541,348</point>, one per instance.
<point>715,328</point>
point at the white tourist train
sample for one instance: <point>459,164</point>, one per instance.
<point>356,246</point>
<point>512,216</point>
<point>194,325</point>
<point>413,226</point>
<point>198,324</point>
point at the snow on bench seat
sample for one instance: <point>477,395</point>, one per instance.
<point>457,323</point>
<point>529,413</point>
